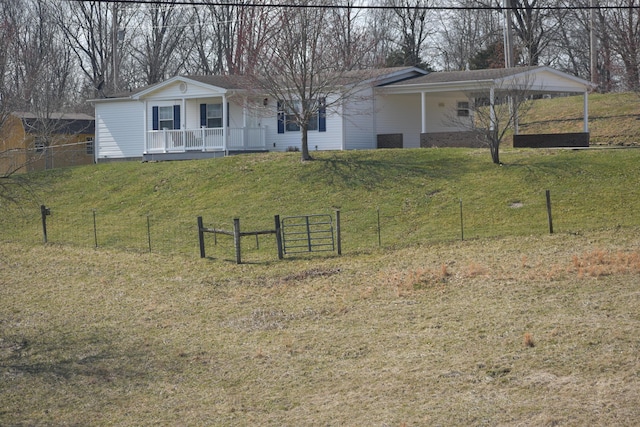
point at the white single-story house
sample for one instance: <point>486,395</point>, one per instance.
<point>188,117</point>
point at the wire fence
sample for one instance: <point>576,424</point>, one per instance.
<point>362,229</point>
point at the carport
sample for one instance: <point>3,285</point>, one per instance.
<point>443,95</point>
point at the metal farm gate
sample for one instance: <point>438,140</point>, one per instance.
<point>307,233</point>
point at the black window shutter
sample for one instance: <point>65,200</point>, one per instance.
<point>155,118</point>
<point>280,118</point>
<point>322,115</point>
<point>176,117</point>
<point>203,115</point>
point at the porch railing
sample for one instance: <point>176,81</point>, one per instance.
<point>205,139</point>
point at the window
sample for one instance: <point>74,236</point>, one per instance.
<point>40,145</point>
<point>214,115</point>
<point>292,125</point>
<point>463,109</point>
<point>90,145</point>
<point>165,117</point>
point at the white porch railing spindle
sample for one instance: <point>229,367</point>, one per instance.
<point>205,139</point>
<point>166,140</point>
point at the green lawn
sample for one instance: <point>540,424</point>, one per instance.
<point>417,194</point>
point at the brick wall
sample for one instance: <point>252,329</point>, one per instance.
<point>470,139</point>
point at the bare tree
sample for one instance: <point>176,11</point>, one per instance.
<point>303,74</point>
<point>569,51</point>
<point>412,25</point>
<point>624,30</point>
<point>231,38</point>
<point>37,74</point>
<point>352,43</point>
<point>161,50</point>
<point>90,30</point>
<point>296,74</point>
<point>534,24</point>
<point>465,33</point>
<point>496,111</point>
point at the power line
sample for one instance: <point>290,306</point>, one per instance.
<point>347,6</point>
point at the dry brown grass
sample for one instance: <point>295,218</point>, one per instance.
<point>528,341</point>
<point>522,331</point>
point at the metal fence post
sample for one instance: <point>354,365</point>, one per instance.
<point>379,230</point>
<point>338,232</point>
<point>236,239</point>
<point>278,236</point>
<point>95,229</point>
<point>548,194</point>
<point>149,232</point>
<point>461,222</point>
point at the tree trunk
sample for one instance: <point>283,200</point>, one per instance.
<point>495,153</point>
<point>494,147</point>
<point>305,142</point>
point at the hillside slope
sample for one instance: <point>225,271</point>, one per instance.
<point>417,194</point>
<point>613,117</point>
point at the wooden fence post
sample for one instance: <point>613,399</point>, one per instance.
<point>236,239</point>
<point>278,236</point>
<point>44,211</point>
<point>201,237</point>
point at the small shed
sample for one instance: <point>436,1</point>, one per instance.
<point>30,142</point>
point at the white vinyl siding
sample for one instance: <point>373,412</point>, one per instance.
<point>359,122</point>
<point>399,114</point>
<point>443,112</point>
<point>332,139</point>
<point>119,130</point>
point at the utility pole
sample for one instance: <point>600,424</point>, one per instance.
<point>593,45</point>
<point>114,44</point>
<point>508,39</point>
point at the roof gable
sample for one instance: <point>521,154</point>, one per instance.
<point>179,86</point>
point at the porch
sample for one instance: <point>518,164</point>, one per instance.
<point>206,140</point>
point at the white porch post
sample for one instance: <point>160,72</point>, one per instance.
<point>224,122</point>
<point>423,111</point>
<point>183,122</point>
<point>586,112</point>
<point>145,127</point>
<point>245,113</point>
<point>516,117</point>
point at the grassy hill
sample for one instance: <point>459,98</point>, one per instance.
<point>416,192</point>
<point>613,118</point>
<point>512,326</point>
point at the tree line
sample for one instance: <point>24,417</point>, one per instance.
<point>56,54</point>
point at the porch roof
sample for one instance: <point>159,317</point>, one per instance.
<point>535,79</point>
